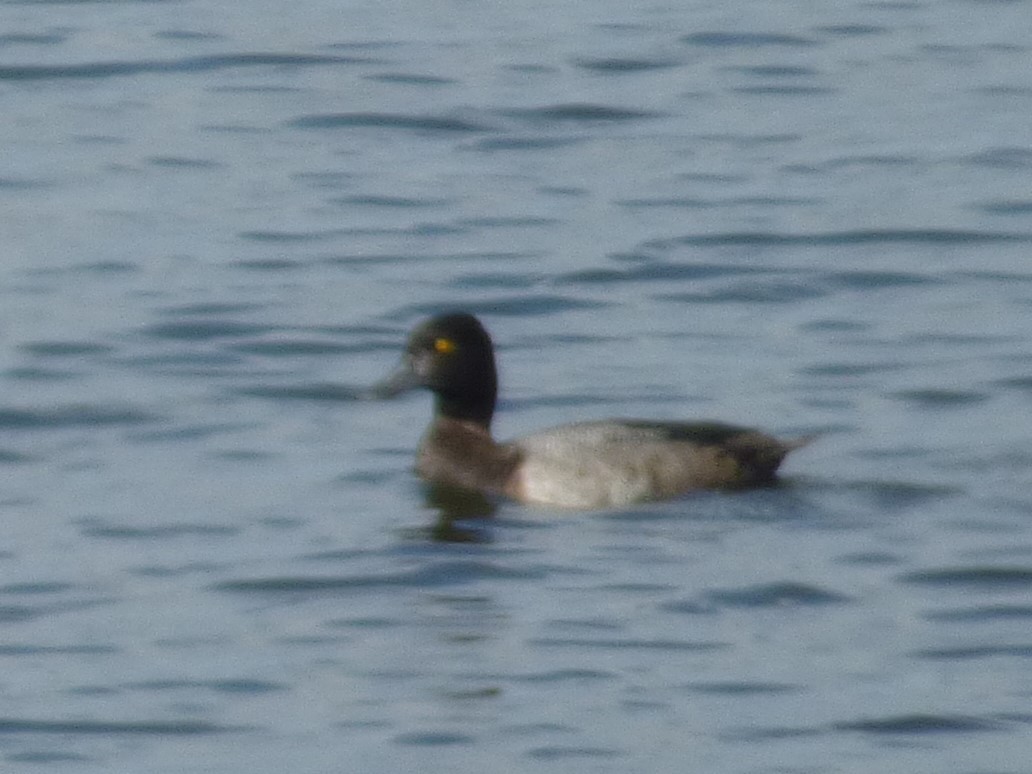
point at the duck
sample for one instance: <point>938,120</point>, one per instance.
<point>582,465</point>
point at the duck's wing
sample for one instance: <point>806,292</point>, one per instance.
<point>614,462</point>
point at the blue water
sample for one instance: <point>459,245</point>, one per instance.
<point>219,221</point>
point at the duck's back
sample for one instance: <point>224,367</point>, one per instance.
<point>616,462</point>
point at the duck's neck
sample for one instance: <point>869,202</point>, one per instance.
<point>477,412</point>
<point>473,396</point>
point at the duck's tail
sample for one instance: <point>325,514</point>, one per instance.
<point>797,443</point>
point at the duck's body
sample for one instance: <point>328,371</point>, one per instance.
<point>582,465</point>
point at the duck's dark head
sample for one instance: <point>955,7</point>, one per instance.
<point>452,356</point>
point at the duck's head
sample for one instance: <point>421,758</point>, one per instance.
<point>452,356</point>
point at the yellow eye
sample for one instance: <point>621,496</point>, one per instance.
<point>444,346</point>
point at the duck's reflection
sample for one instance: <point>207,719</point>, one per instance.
<point>455,508</point>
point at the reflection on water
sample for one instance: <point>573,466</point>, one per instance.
<point>455,507</point>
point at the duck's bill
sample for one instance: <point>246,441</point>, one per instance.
<point>401,380</point>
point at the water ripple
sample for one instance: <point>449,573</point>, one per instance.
<point>776,595</point>
<point>411,79</point>
<point>267,264</point>
<point>525,143</point>
<point>400,202</point>
<point>64,348</point>
<point>835,370</point>
<point>775,71</point>
<point>519,306</point>
<point>915,724</point>
<point>32,39</point>
<point>11,613</point>
<point>434,575</point>
<point>719,39</point>
<point>940,398</point>
<point>422,123</point>
<point>857,237</point>
<point>297,347</point>
<point>963,653</point>
<point>852,30</point>
<point>315,392</point>
<point>71,416</point>
<point>18,613</point>
<point>873,280</point>
<point>565,675</point>
<point>43,587</point>
<point>988,577</point>
<point>92,267</point>
<point>208,308</point>
<point>624,64</point>
<point>1002,158</point>
<point>788,91</point>
<point>58,650</point>
<point>578,111</point>
<point>45,757</point>
<point>742,688</point>
<point>238,686</point>
<point>559,752</point>
<point>658,272</point>
<point>769,733</point>
<point>100,529</point>
<point>433,738</point>
<point>751,292</point>
<point>1006,207</point>
<point>187,64</point>
<point>628,644</point>
<point>290,237</point>
<point>851,160</point>
<point>203,330</point>
<point>21,183</point>
<point>183,162</point>
<point>920,724</point>
<point>388,258</point>
<point>982,613</point>
<point>130,728</point>
<point>8,457</point>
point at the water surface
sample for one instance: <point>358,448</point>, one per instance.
<point>219,225</point>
